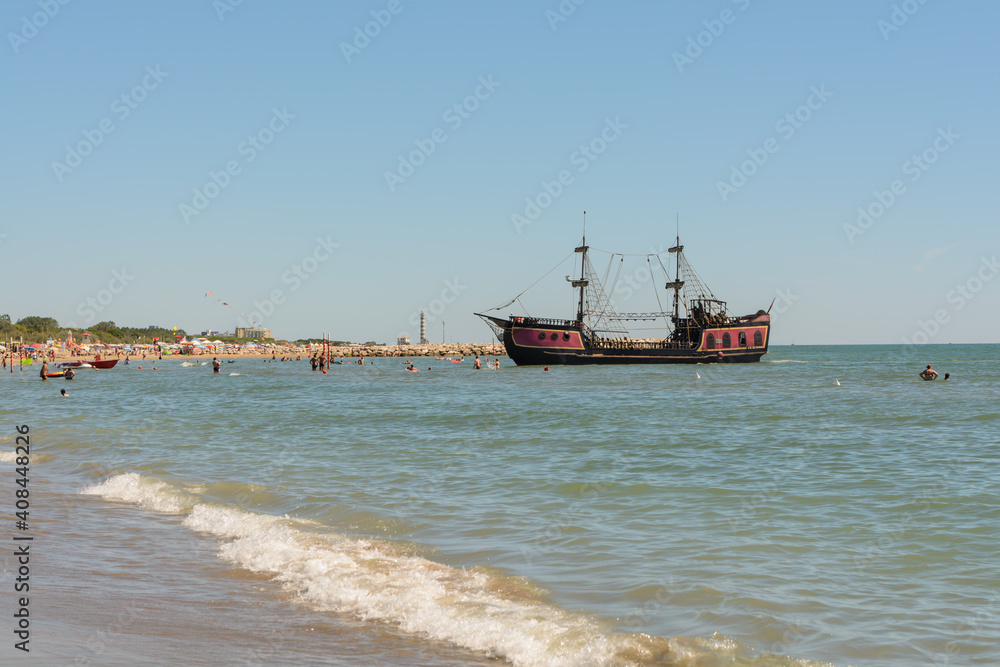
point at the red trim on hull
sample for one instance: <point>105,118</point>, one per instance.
<point>547,338</point>
<point>734,335</point>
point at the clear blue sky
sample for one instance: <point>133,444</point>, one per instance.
<point>330,121</point>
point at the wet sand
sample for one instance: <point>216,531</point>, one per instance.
<point>110,586</point>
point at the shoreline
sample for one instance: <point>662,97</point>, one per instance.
<point>93,604</point>
<point>337,352</point>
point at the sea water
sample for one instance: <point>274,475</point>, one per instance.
<point>824,506</point>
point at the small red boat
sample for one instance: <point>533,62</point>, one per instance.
<point>103,363</point>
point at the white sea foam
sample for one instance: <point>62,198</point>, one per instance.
<point>232,374</point>
<point>149,494</point>
<point>228,522</point>
<point>492,614</point>
<point>375,581</point>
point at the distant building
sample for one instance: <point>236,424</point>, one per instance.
<point>247,332</point>
<point>403,340</point>
<point>423,328</point>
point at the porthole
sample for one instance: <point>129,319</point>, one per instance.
<point>541,336</point>
<point>554,336</point>
<point>565,335</point>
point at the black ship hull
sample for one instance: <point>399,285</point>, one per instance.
<point>536,342</point>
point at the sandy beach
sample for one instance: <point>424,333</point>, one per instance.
<point>353,351</point>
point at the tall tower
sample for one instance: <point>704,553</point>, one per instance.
<point>423,328</point>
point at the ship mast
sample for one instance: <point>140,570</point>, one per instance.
<point>677,283</point>
<point>582,282</point>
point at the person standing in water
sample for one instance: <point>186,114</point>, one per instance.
<point>928,373</point>
<point>216,364</point>
<point>478,363</point>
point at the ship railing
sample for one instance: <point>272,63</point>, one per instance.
<point>542,321</point>
<point>625,344</point>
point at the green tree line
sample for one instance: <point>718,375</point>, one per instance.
<point>36,329</point>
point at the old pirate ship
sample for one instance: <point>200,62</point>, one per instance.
<point>700,330</point>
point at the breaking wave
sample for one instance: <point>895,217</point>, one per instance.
<point>496,614</point>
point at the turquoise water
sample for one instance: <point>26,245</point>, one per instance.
<point>824,505</point>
